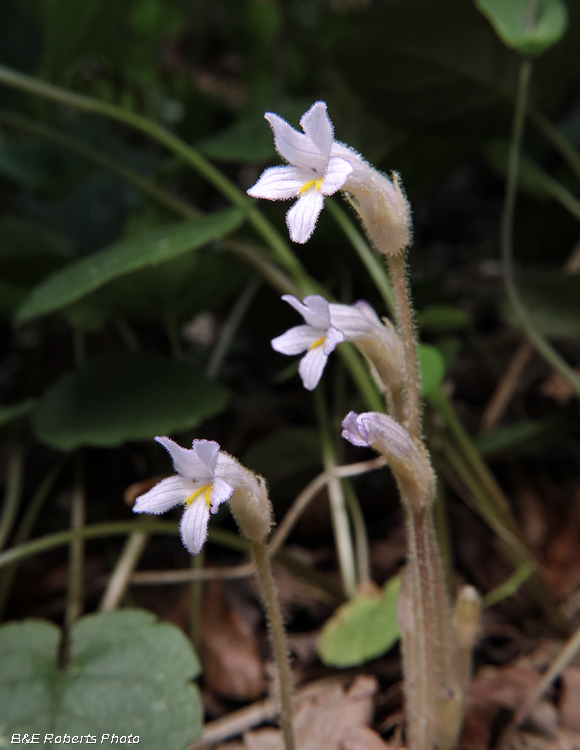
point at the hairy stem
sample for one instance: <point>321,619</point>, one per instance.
<point>397,269</point>
<point>278,636</point>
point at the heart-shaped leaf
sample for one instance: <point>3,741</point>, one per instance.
<point>87,274</point>
<point>525,25</point>
<point>120,397</point>
<point>127,675</point>
<point>361,629</point>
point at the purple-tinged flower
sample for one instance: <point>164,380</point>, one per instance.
<point>408,460</point>
<point>318,338</point>
<point>197,485</point>
<point>313,170</point>
<point>206,478</point>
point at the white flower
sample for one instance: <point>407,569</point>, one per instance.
<point>314,170</point>
<point>408,460</point>
<point>199,485</point>
<point>328,325</point>
<point>318,337</point>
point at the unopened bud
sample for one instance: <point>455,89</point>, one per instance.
<point>409,462</point>
<point>249,503</point>
<point>466,616</point>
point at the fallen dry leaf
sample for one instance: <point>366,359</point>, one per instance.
<point>331,719</point>
<point>229,649</point>
<point>569,703</point>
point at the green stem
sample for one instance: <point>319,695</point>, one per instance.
<point>126,564</point>
<point>26,525</point>
<point>75,591</point>
<point>558,140</point>
<point>278,636</point>
<point>361,539</point>
<point>371,261</point>
<point>13,492</point>
<point>338,510</point>
<point>534,335</point>
<point>231,326</point>
<point>143,184</point>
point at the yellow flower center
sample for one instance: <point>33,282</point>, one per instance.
<point>205,488</point>
<point>312,183</point>
<point>319,342</point>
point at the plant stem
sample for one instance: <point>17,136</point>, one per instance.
<point>278,636</point>
<point>74,600</point>
<point>196,593</point>
<point>361,539</point>
<point>338,510</point>
<point>534,335</point>
<point>13,492</point>
<point>26,526</point>
<point>398,272</point>
<point>231,326</point>
<point>126,564</point>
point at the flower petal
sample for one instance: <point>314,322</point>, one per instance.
<point>318,127</point>
<point>314,309</point>
<point>336,175</point>
<point>296,147</point>
<point>355,431</point>
<point>186,462</point>
<point>332,338</point>
<point>311,367</point>
<point>165,495</point>
<point>221,491</point>
<point>296,340</point>
<point>301,218</point>
<point>279,183</point>
<point>193,526</point>
<point>207,451</point>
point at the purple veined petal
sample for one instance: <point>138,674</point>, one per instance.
<point>207,452</point>
<point>318,127</point>
<point>193,526</point>
<point>186,461</point>
<point>297,340</point>
<point>314,309</point>
<point>354,430</point>
<point>336,175</point>
<point>332,338</point>
<point>296,147</point>
<point>165,495</point>
<point>302,217</point>
<point>352,321</point>
<point>367,310</point>
<point>280,183</point>
<point>311,367</point>
<point>388,436</point>
<point>221,491</point>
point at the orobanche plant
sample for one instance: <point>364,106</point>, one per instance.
<point>435,649</point>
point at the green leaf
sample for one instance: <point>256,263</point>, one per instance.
<point>120,397</point>
<point>431,368</point>
<point>525,25</point>
<point>16,411</point>
<point>361,629</point>
<point>284,453</point>
<point>510,436</point>
<point>443,318</point>
<point>127,674</point>
<point>90,273</point>
<point>553,302</point>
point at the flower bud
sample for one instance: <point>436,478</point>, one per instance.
<point>408,461</point>
<point>249,503</point>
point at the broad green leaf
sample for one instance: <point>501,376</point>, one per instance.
<point>361,629</point>
<point>120,397</point>
<point>510,436</point>
<point>431,368</point>
<point>284,453</point>
<point>127,674</point>
<point>443,318</point>
<point>553,302</point>
<point>12,412</point>
<point>528,26</point>
<point>90,273</point>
